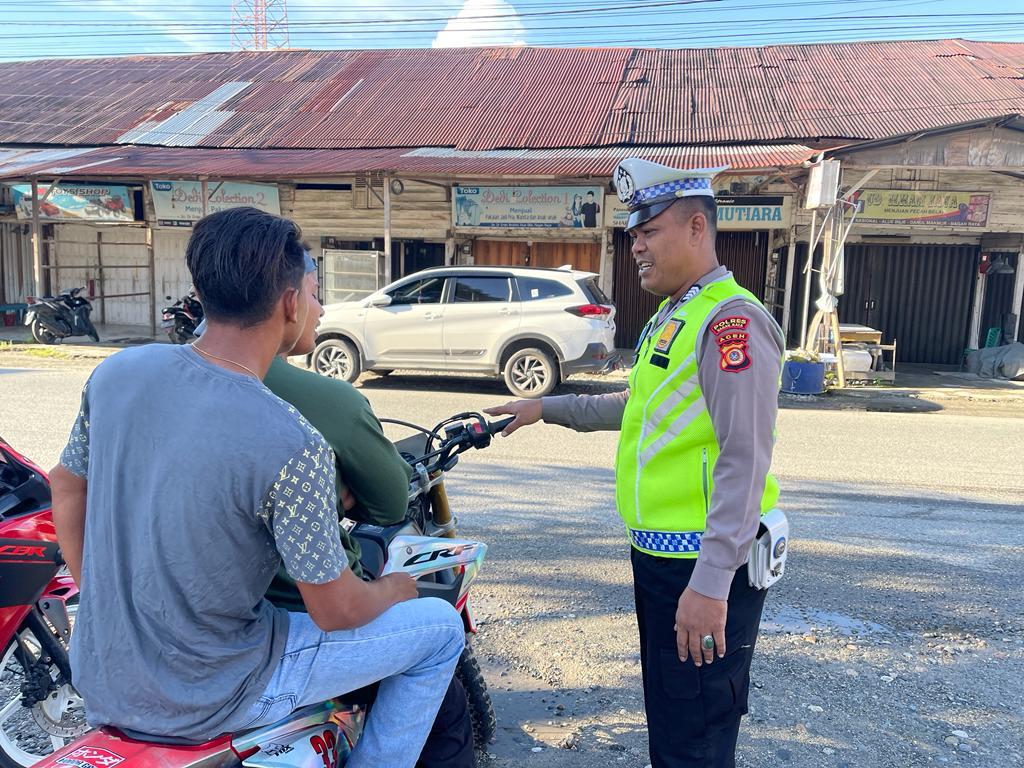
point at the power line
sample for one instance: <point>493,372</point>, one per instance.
<point>687,10</point>
<point>317,27</point>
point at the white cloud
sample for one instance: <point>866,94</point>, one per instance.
<point>467,28</point>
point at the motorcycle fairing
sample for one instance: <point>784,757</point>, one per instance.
<point>421,556</point>
<point>312,737</point>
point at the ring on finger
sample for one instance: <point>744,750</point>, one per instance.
<point>707,643</point>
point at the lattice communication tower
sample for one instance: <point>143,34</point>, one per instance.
<point>259,25</point>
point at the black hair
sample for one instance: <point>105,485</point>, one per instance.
<point>242,260</point>
<point>701,204</point>
<point>590,193</point>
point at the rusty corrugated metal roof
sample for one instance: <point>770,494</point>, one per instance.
<point>487,98</point>
<point>174,162</point>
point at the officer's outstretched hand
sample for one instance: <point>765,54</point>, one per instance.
<point>526,412</point>
<point>696,617</point>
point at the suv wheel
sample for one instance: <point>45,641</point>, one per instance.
<point>336,358</point>
<point>530,372</point>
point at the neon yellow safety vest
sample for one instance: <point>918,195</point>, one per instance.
<point>667,449</point>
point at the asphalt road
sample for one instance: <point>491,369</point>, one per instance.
<point>896,638</point>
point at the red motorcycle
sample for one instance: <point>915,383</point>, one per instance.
<point>40,711</point>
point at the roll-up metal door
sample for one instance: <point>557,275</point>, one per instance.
<point>744,253</point>
<point>919,295</point>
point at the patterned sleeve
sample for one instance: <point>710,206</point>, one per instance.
<point>300,510</point>
<point>75,456</point>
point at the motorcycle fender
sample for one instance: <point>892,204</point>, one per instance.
<point>422,555</point>
<point>106,748</point>
<point>30,315</point>
<point>55,325</point>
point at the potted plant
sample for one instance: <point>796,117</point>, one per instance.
<point>803,373</point>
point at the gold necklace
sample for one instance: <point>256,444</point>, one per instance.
<point>223,359</point>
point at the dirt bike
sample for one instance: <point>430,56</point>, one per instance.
<point>426,547</point>
<point>39,709</point>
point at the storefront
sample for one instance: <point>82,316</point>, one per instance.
<point>92,234</point>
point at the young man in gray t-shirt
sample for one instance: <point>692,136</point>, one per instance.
<point>186,484</point>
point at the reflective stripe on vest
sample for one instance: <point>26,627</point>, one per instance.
<point>667,448</point>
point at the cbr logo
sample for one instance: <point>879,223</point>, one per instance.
<point>12,549</point>
<point>429,557</point>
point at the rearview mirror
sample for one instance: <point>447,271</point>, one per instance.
<point>381,300</point>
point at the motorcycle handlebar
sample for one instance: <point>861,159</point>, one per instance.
<point>460,433</point>
<point>496,427</point>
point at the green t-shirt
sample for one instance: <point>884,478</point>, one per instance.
<point>368,464</point>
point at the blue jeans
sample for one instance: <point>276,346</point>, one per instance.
<point>412,648</point>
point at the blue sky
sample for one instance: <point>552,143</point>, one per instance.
<point>115,27</point>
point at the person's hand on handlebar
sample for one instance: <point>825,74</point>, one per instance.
<point>526,412</point>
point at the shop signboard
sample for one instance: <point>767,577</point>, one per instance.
<point>734,213</point>
<point>180,203</point>
<point>754,212</point>
<point>534,207</point>
<point>922,208</point>
<point>76,202</point>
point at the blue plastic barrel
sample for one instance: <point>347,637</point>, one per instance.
<point>803,378</point>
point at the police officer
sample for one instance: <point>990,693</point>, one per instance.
<point>692,472</point>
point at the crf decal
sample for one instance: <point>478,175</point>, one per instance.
<point>429,557</point>
<point>22,550</point>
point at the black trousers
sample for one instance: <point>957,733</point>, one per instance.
<point>693,713</point>
<point>450,741</point>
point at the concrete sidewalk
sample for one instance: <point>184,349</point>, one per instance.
<point>917,388</point>
<point>112,338</point>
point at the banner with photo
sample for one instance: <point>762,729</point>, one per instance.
<point>76,202</point>
<point>537,207</point>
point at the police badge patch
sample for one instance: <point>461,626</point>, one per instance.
<point>732,342</point>
<point>735,357</point>
<point>668,335</point>
<point>733,323</point>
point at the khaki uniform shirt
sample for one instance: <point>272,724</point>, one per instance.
<point>742,406</point>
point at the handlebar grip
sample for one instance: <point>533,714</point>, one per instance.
<point>494,427</point>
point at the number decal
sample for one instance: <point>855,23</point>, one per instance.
<point>332,744</point>
<point>326,745</point>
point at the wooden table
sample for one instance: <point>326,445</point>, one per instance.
<point>854,333</point>
<point>871,339</point>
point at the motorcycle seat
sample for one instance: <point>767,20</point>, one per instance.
<point>170,741</point>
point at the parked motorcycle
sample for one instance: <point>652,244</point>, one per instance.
<point>39,709</point>
<point>53,318</point>
<point>425,546</point>
<point>181,318</point>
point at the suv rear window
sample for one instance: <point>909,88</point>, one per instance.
<point>537,288</point>
<point>593,291</point>
<point>479,288</point>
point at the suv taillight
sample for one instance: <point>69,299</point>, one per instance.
<point>589,310</point>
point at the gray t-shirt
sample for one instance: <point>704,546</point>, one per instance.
<point>201,483</point>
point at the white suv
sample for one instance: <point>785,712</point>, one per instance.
<point>534,327</point>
